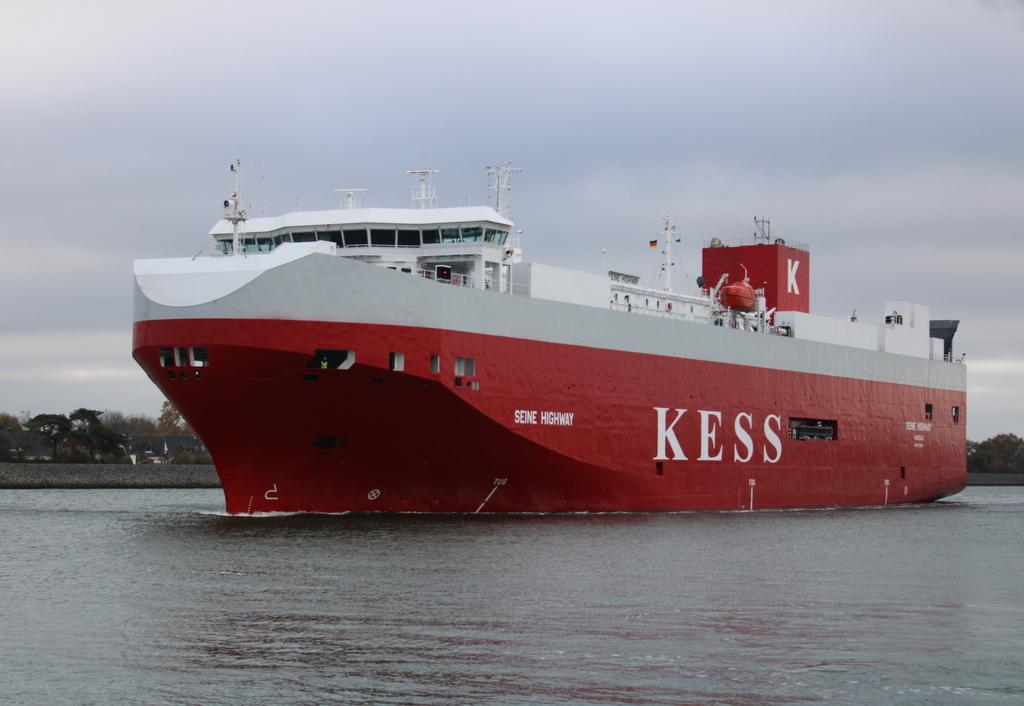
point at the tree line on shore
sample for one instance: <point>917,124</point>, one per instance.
<point>1002,453</point>
<point>91,436</point>
<point>83,437</point>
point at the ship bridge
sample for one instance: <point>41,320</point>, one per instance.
<point>467,246</point>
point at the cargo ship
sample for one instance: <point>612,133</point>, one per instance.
<point>411,360</point>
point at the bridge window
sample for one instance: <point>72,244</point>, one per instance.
<point>431,236</point>
<point>305,236</point>
<point>355,237</point>
<point>472,234</point>
<point>409,238</point>
<point>382,237</point>
<point>492,235</point>
<point>449,235</point>
<point>333,236</point>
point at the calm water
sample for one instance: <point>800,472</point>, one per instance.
<point>151,596</point>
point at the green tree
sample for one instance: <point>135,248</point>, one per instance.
<point>1002,453</point>
<point>88,431</point>
<point>54,428</point>
<point>5,446</point>
<point>1003,447</point>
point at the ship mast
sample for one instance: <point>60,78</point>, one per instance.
<point>669,231</point>
<point>764,230</point>
<point>499,180</point>
<point>233,213</point>
<point>423,193</point>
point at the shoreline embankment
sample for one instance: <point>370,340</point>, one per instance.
<point>995,479</point>
<point>28,476</point>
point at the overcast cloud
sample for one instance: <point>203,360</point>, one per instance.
<point>887,135</point>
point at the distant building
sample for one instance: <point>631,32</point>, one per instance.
<point>25,446</point>
<point>158,448</point>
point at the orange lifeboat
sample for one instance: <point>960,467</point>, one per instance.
<point>738,296</point>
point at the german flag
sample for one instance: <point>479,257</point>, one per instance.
<point>654,243</point>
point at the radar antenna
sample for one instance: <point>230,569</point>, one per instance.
<point>423,193</point>
<point>233,212</point>
<point>350,202</point>
<point>499,181</point>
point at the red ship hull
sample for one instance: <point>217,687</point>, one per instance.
<point>539,427</point>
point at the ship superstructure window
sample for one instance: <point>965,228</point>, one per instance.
<point>449,235</point>
<point>183,356</point>
<point>408,238</point>
<point>431,236</point>
<point>492,235</point>
<point>333,236</point>
<point>355,237</point>
<point>305,236</point>
<point>804,429</point>
<point>435,364</point>
<point>465,367</point>
<point>471,234</point>
<point>382,237</point>
<point>956,414</point>
<point>928,410</point>
<point>396,361</point>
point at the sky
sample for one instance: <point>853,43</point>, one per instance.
<point>886,134</point>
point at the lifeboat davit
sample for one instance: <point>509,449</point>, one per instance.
<point>738,296</point>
